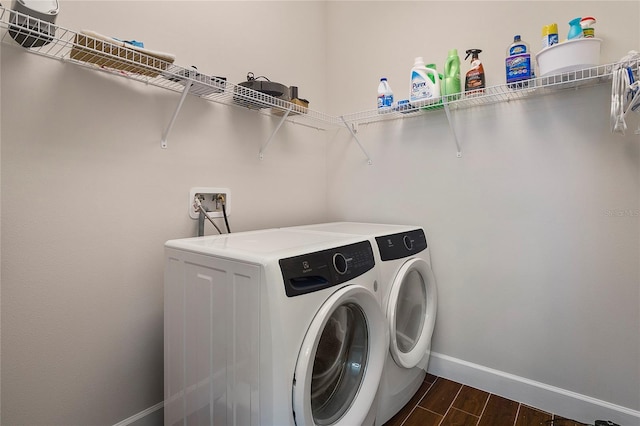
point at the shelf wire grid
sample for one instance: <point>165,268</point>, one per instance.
<point>494,94</point>
<point>47,39</point>
<point>53,41</point>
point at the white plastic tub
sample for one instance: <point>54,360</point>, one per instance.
<point>569,56</point>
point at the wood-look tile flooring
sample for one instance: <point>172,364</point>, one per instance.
<point>442,402</point>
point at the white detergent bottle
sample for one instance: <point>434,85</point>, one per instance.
<point>422,86</point>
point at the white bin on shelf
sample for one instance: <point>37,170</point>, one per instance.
<point>570,55</point>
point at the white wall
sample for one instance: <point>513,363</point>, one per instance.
<point>89,198</point>
<point>534,232</point>
<point>537,272</point>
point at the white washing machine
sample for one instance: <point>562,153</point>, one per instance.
<point>273,327</point>
<point>409,301</point>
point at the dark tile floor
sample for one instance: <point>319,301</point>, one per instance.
<point>442,402</point>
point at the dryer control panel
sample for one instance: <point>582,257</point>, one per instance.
<point>319,270</point>
<point>404,244</point>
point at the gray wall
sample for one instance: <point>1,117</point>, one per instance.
<point>89,198</point>
<point>535,267</point>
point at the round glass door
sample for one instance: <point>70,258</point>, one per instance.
<point>339,364</point>
<point>411,312</point>
<point>341,360</point>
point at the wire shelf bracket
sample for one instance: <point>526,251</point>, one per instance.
<point>165,134</point>
<point>453,129</point>
<point>265,145</point>
<point>352,130</point>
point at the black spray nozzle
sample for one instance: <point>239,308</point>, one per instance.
<point>474,53</point>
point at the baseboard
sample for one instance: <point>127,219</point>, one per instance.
<point>545,397</point>
<point>139,419</point>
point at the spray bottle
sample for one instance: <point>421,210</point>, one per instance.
<point>575,29</point>
<point>474,82</point>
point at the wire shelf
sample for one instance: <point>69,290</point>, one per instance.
<point>495,94</point>
<point>49,40</point>
<point>83,49</point>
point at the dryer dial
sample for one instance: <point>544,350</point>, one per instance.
<point>408,242</point>
<point>340,263</point>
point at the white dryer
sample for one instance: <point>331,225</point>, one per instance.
<point>273,327</point>
<point>409,301</point>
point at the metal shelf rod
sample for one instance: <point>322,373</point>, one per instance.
<point>353,134</point>
<point>163,142</point>
<point>453,129</point>
<point>264,146</point>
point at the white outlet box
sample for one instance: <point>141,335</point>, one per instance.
<point>208,198</point>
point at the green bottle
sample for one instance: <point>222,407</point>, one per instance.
<point>451,84</point>
<point>432,77</point>
<point>433,80</point>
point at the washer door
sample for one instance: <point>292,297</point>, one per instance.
<point>411,312</point>
<point>341,360</point>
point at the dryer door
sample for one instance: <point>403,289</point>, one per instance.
<point>341,360</point>
<point>411,312</point>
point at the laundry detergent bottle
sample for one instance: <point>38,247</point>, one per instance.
<point>435,74</point>
<point>433,77</point>
<point>452,74</point>
<point>425,82</point>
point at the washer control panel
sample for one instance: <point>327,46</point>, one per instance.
<point>319,270</point>
<point>404,244</point>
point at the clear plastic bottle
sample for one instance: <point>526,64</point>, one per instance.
<point>385,95</point>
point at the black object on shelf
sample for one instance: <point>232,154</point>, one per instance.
<point>265,88</point>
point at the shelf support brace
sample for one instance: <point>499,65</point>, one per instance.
<point>264,146</point>
<point>452,127</point>
<point>353,134</point>
<point>187,86</point>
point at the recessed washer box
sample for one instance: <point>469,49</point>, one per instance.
<point>213,207</point>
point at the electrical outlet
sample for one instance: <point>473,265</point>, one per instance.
<point>209,199</point>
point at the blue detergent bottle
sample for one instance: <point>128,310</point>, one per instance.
<point>518,64</point>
